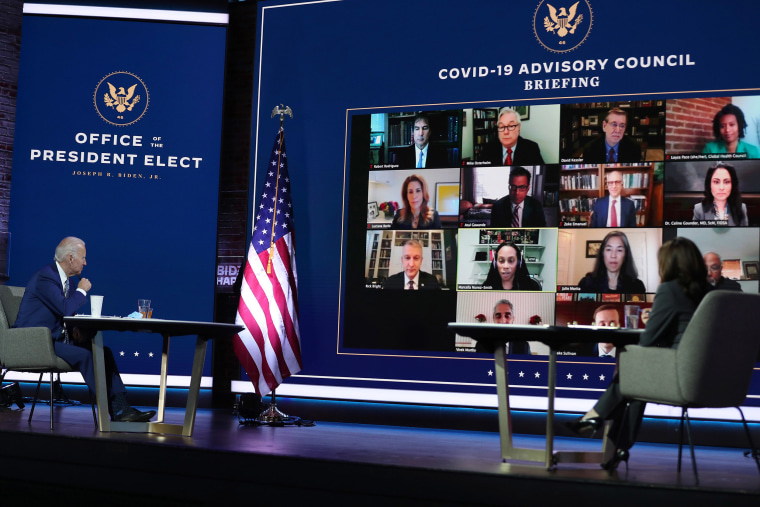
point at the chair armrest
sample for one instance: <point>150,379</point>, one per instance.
<point>649,373</point>
<point>30,347</point>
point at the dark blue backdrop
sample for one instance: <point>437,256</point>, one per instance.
<point>150,230</point>
<point>330,60</point>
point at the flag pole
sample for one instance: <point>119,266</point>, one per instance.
<point>271,414</point>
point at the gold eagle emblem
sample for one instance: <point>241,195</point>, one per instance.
<point>562,21</point>
<point>120,99</point>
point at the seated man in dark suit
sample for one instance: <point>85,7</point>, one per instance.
<point>422,154</point>
<point>529,212</point>
<point>613,210</point>
<point>715,273</point>
<point>511,148</point>
<point>411,278</point>
<point>49,297</point>
<point>614,146</point>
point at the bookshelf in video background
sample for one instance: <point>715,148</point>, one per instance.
<point>582,123</point>
<point>528,240</point>
<point>483,129</point>
<point>384,254</point>
<point>581,185</point>
<point>446,132</point>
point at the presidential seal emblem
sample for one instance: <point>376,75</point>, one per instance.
<point>561,28</point>
<point>121,98</point>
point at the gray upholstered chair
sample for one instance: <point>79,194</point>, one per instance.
<point>27,349</point>
<point>711,368</point>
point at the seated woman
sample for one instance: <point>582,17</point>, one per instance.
<point>722,200</point>
<point>415,214</point>
<point>684,284</point>
<point>728,128</point>
<point>508,270</point>
<point>614,268</point>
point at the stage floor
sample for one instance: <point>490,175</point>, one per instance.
<point>343,464</point>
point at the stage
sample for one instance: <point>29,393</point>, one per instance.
<point>339,464</point>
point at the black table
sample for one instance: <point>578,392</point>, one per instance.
<point>168,329</point>
<point>494,337</point>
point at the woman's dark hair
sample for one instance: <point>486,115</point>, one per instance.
<point>734,198</point>
<point>627,270</point>
<point>426,214</point>
<point>679,259</point>
<point>729,109</point>
<point>522,276</point>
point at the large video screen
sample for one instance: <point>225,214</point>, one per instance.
<point>539,214</point>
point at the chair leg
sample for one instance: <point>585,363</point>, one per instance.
<point>691,446</point>
<point>752,450</point>
<point>36,396</point>
<point>680,440</point>
<point>52,395</point>
<point>92,404</point>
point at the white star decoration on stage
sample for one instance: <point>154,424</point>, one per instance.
<point>538,375</point>
<point>136,354</point>
<point>569,376</point>
<point>490,373</point>
<point>522,374</point>
<point>585,377</point>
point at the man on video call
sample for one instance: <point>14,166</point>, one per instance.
<point>715,273</point>
<point>614,146</point>
<point>518,209</point>
<point>504,313</point>
<point>613,210</point>
<point>421,154</point>
<point>512,148</point>
<point>57,291</point>
<point>411,278</point>
<point>605,315</point>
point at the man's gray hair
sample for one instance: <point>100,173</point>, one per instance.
<point>505,110</point>
<point>504,302</point>
<point>413,242</point>
<point>68,246</point>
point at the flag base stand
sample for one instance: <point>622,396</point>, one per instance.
<point>270,416</point>
<point>273,416</point>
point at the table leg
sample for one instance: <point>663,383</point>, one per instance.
<point>101,387</point>
<point>508,451</point>
<point>552,383</point>
<point>163,377</point>
<point>502,393</point>
<point>195,386</point>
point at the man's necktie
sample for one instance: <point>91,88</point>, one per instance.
<point>508,159</point>
<point>611,156</point>
<point>613,215</point>
<point>64,333</point>
<point>419,162</point>
<point>411,285</point>
<point>516,216</point>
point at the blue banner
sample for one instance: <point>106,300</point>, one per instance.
<point>118,134</point>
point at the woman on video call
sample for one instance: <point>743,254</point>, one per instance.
<point>614,268</point>
<point>684,283</point>
<point>415,214</point>
<point>728,128</point>
<point>722,199</point>
<point>508,270</point>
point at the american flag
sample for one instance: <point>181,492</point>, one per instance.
<point>269,348</point>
